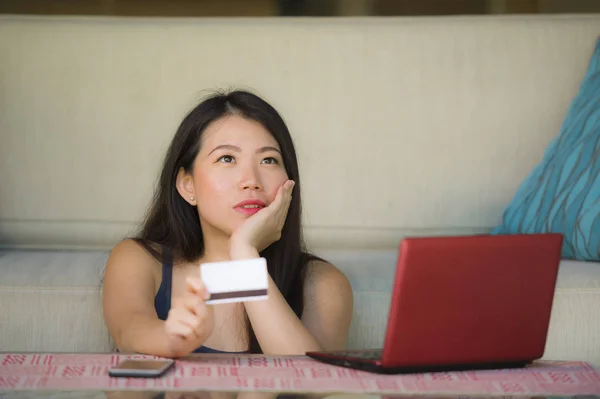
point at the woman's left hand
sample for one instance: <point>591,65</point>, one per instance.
<point>264,227</point>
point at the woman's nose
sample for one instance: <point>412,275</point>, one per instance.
<point>250,180</point>
<point>251,185</point>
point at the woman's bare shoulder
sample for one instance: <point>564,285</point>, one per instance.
<point>328,304</point>
<point>323,277</point>
<point>131,247</point>
<point>129,256</point>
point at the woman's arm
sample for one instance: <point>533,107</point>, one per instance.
<point>326,317</point>
<point>129,308</point>
<point>328,305</point>
<point>128,302</point>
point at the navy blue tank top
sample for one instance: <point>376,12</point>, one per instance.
<point>162,300</point>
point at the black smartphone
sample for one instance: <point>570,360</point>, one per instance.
<point>141,368</point>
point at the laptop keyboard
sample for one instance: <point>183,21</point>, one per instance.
<point>370,355</point>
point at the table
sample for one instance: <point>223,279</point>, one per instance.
<point>217,374</point>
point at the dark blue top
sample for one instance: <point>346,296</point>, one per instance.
<point>162,300</point>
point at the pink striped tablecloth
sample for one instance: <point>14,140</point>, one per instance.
<point>52,371</point>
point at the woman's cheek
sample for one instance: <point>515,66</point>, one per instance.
<point>280,181</point>
<point>214,184</point>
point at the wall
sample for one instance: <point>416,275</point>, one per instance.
<point>207,8</point>
<point>568,6</point>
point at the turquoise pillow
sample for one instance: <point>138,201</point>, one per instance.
<point>562,193</point>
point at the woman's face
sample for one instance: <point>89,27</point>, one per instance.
<point>237,172</point>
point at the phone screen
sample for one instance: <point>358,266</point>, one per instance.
<point>143,364</point>
<point>141,368</point>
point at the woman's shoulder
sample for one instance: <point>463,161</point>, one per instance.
<point>318,267</point>
<point>323,277</point>
<point>328,303</point>
<point>134,256</point>
<point>131,247</point>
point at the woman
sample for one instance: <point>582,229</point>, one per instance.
<point>229,189</point>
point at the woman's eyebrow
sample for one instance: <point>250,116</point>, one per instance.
<point>238,149</point>
<point>226,147</point>
<point>267,149</point>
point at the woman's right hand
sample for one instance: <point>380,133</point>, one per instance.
<point>190,320</point>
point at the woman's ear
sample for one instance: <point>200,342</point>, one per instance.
<point>185,187</point>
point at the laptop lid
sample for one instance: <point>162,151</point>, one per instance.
<point>471,299</point>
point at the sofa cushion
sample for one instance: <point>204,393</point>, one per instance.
<point>562,193</point>
<point>51,301</point>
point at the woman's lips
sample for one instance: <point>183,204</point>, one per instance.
<point>249,207</point>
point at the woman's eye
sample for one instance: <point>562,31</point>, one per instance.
<point>226,159</point>
<point>271,160</point>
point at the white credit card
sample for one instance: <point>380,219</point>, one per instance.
<point>235,281</point>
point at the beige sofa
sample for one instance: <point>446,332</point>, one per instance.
<point>403,126</point>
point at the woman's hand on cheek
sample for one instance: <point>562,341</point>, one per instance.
<point>264,227</point>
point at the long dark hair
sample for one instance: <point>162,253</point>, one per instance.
<point>173,224</point>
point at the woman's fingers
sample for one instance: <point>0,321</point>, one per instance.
<point>195,286</point>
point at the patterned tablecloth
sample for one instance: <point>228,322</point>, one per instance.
<point>289,374</point>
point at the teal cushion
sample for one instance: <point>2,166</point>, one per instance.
<point>562,193</point>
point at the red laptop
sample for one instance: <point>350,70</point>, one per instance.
<point>465,303</point>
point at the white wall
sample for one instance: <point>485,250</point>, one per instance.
<point>403,125</point>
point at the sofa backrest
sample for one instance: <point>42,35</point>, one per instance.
<point>420,125</point>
